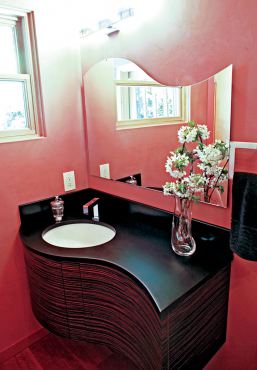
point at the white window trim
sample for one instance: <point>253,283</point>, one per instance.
<point>31,130</point>
<point>29,68</point>
<point>149,122</point>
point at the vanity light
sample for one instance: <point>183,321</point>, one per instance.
<point>126,13</point>
<point>109,26</point>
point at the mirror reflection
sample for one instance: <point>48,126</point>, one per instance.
<point>140,100</point>
<point>132,121</point>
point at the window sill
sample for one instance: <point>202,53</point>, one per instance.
<point>124,125</point>
<point>14,139</point>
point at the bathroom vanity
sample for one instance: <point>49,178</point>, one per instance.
<point>132,293</point>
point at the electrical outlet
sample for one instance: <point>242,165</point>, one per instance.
<point>69,180</point>
<point>105,170</point>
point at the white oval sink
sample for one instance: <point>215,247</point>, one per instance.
<point>79,235</point>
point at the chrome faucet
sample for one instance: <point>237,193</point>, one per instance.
<point>91,209</point>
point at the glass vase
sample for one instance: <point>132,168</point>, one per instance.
<point>182,241</point>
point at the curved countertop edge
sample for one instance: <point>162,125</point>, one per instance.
<point>103,262</point>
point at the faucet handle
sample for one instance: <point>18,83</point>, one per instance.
<point>95,212</point>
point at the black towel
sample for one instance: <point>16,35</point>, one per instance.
<point>243,237</point>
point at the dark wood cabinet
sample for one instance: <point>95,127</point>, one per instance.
<point>99,302</point>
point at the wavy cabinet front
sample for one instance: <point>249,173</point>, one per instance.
<point>98,303</point>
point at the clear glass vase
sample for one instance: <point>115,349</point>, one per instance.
<point>182,241</point>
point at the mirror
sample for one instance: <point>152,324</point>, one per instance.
<point>132,121</point>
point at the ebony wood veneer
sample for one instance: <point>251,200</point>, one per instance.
<point>100,303</point>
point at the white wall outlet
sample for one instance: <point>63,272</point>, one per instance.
<point>69,180</point>
<point>105,170</point>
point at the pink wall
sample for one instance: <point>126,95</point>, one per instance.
<point>185,43</point>
<point>199,102</point>
<point>33,170</point>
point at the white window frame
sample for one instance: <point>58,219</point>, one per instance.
<point>146,122</point>
<point>28,73</point>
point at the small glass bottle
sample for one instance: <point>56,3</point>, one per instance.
<point>57,208</point>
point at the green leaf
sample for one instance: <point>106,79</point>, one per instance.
<point>191,123</point>
<point>221,188</point>
<point>196,198</point>
<point>179,150</point>
<point>201,146</point>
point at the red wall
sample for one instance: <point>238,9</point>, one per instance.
<point>33,170</point>
<point>184,43</point>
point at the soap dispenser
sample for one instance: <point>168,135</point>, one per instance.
<point>57,208</point>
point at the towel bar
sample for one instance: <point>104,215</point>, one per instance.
<point>237,145</point>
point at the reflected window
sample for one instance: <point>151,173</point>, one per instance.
<point>142,101</point>
<point>147,102</point>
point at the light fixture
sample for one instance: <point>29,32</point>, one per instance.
<point>125,13</point>
<point>110,26</point>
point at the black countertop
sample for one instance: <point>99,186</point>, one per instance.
<point>140,248</point>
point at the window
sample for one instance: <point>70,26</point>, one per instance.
<point>142,102</point>
<point>20,95</point>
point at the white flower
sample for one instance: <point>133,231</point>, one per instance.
<point>203,132</point>
<point>209,154</point>
<point>187,134</point>
<point>216,175</point>
<point>209,159</point>
<point>176,163</point>
<point>223,147</point>
<point>177,174</point>
<point>167,188</point>
<point>212,154</point>
<point>196,182</point>
<point>181,188</point>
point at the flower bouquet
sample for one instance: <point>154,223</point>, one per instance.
<point>198,172</point>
